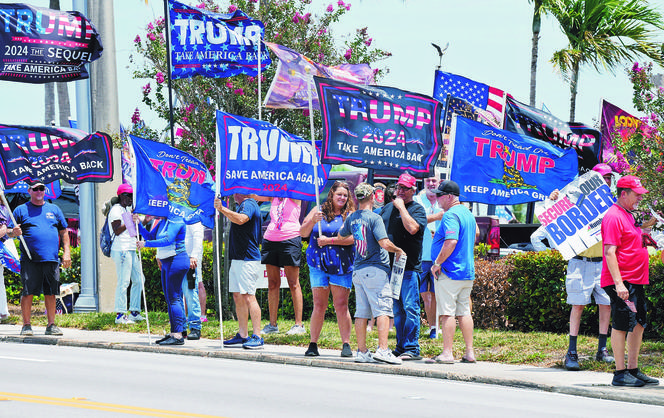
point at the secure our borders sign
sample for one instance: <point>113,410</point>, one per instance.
<point>39,45</point>
<point>383,128</point>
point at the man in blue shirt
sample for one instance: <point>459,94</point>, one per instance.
<point>454,270</point>
<point>245,258</point>
<point>43,227</point>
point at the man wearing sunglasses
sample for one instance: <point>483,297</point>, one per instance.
<point>43,227</point>
<point>624,277</point>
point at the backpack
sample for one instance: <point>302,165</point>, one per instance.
<point>106,239</point>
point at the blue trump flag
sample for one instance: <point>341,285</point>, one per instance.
<point>213,44</point>
<point>383,128</point>
<point>171,183</point>
<point>256,157</point>
<point>498,167</point>
<point>52,191</point>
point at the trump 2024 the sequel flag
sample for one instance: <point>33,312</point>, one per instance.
<point>171,183</point>
<point>49,154</point>
<point>213,44</point>
<point>40,45</point>
<point>256,157</point>
<point>383,128</point>
<point>498,167</point>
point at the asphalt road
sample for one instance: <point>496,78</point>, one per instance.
<point>58,381</point>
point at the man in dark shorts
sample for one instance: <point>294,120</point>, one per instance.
<point>43,226</point>
<point>624,275</point>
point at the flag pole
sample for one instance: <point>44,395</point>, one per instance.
<point>313,142</point>
<point>216,233</point>
<point>11,215</point>
<point>167,22</point>
<point>260,40</point>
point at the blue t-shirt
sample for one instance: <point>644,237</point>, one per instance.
<point>166,233</point>
<point>244,239</point>
<point>40,226</point>
<point>332,259</point>
<point>459,224</point>
<point>367,229</point>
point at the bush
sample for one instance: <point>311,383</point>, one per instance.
<point>491,293</point>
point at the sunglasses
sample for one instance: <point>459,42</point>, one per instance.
<point>38,189</point>
<point>404,188</point>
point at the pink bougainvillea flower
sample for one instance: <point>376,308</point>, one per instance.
<point>229,84</point>
<point>251,79</point>
<point>305,112</point>
<point>201,6</point>
<point>146,89</point>
<point>306,17</point>
<point>348,6</point>
<point>341,3</point>
<point>368,42</point>
<point>330,8</point>
<point>136,117</point>
<point>297,17</point>
<point>348,54</point>
<point>151,36</point>
<point>239,92</point>
<point>179,132</point>
<point>232,8</point>
<point>185,119</point>
<point>137,39</point>
<point>159,77</point>
<point>150,26</point>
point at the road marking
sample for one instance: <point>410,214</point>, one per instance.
<point>99,406</point>
<point>24,359</point>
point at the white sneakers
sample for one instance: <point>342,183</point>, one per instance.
<point>365,357</point>
<point>124,319</point>
<point>386,356</point>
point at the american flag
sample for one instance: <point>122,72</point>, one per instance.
<point>480,95</point>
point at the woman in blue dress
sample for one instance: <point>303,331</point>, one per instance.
<point>167,236</point>
<point>330,263</point>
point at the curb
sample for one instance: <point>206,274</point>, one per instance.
<point>595,391</point>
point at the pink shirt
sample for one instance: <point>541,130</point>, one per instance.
<point>618,229</point>
<point>284,220</point>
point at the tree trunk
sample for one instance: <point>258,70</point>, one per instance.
<point>537,23</point>
<point>49,103</point>
<point>64,108</point>
<point>574,82</point>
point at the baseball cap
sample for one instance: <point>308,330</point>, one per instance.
<point>407,180</point>
<point>631,182</point>
<point>603,169</point>
<point>447,187</point>
<point>34,183</point>
<point>125,188</point>
<point>363,190</point>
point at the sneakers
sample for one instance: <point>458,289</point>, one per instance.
<point>432,333</point>
<point>346,351</point>
<point>622,378</point>
<point>270,329</point>
<point>53,330</point>
<point>312,351</point>
<point>572,361</point>
<point>365,357</point>
<point>236,341</point>
<point>136,317</point>
<point>27,330</point>
<point>643,377</point>
<point>123,319</point>
<point>253,343</point>
<point>386,356</point>
<point>171,340</point>
<point>296,330</point>
<point>194,334</point>
<point>603,355</point>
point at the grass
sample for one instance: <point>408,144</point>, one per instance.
<point>510,347</point>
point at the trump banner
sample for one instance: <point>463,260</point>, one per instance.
<point>573,222</point>
<point>293,82</point>
<point>383,128</point>
<point>52,190</point>
<point>536,123</point>
<point>615,124</point>
<point>40,45</point>
<point>49,154</point>
<point>255,157</point>
<point>498,167</point>
<point>213,44</point>
<point>171,183</point>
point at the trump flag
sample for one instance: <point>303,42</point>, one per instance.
<point>171,183</point>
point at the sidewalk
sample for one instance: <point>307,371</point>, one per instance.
<point>588,384</point>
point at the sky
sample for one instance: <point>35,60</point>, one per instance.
<point>489,41</point>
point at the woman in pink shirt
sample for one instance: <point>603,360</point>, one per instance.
<point>282,247</point>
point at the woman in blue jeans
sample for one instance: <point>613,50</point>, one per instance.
<point>168,237</point>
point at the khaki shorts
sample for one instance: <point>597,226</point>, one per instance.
<point>242,276</point>
<point>453,296</point>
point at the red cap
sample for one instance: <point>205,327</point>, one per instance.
<point>125,188</point>
<point>603,169</point>
<point>407,180</point>
<point>631,182</point>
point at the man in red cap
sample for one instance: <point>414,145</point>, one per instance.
<point>405,221</point>
<point>624,275</point>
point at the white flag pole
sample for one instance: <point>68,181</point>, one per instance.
<point>217,226</point>
<point>133,181</point>
<point>313,142</point>
<point>259,76</point>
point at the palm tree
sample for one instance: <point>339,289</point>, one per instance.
<point>604,33</point>
<point>537,24</point>
<point>63,94</point>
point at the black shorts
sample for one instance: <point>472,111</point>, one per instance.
<point>282,253</point>
<point>40,277</point>
<point>623,318</point>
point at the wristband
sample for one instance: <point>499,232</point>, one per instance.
<point>332,241</point>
